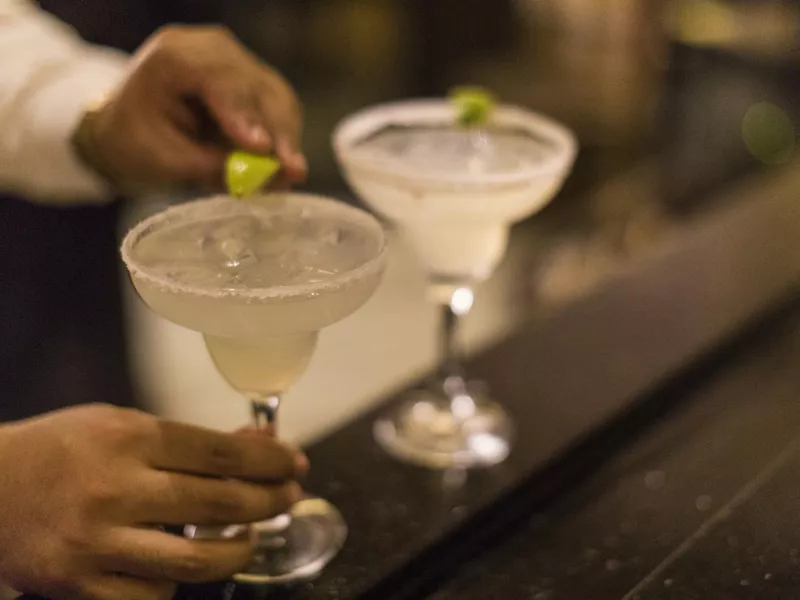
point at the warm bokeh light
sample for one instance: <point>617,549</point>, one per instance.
<point>768,133</point>
<point>768,28</point>
<point>461,301</point>
<point>704,22</point>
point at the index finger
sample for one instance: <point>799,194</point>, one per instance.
<point>198,451</point>
<point>284,117</point>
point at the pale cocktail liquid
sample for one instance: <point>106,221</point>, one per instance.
<point>259,279</point>
<point>458,228</point>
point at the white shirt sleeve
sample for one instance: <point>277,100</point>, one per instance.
<point>48,77</point>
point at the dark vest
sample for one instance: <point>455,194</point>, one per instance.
<point>61,321</point>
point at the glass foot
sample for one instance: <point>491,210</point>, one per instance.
<point>433,430</point>
<point>291,548</point>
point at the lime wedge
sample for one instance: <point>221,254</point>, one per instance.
<point>474,105</point>
<point>247,173</point>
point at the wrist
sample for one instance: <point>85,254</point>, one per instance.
<point>86,143</point>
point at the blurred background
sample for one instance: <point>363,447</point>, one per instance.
<point>671,100</point>
<point>631,77</point>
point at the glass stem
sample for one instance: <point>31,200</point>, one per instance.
<point>451,372</point>
<point>450,367</point>
<point>265,411</point>
<point>265,417</point>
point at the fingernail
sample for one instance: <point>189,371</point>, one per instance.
<point>291,157</point>
<point>259,136</point>
<point>296,167</point>
<point>252,132</point>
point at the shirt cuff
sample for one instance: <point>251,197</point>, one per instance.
<point>55,111</point>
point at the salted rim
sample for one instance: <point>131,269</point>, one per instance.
<point>221,205</point>
<point>360,125</point>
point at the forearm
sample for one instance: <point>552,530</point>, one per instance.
<point>48,77</point>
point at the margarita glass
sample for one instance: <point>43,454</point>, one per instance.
<point>259,279</point>
<point>453,192</point>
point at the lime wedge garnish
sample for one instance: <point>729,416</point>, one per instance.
<point>247,173</point>
<point>474,105</point>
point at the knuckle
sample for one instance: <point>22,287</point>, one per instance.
<point>100,493</point>
<point>166,46</point>
<point>227,458</point>
<point>168,35</point>
<point>78,542</point>
<point>123,426</point>
<point>218,31</point>
<point>141,423</point>
<point>97,411</point>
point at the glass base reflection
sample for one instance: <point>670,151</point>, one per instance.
<point>442,431</point>
<point>290,548</point>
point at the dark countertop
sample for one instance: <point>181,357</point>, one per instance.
<point>703,505</point>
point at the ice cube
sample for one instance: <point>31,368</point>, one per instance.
<point>268,246</point>
<point>237,228</point>
<point>333,236</point>
<point>237,252</point>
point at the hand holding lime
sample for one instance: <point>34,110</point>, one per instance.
<point>474,105</point>
<point>246,173</point>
